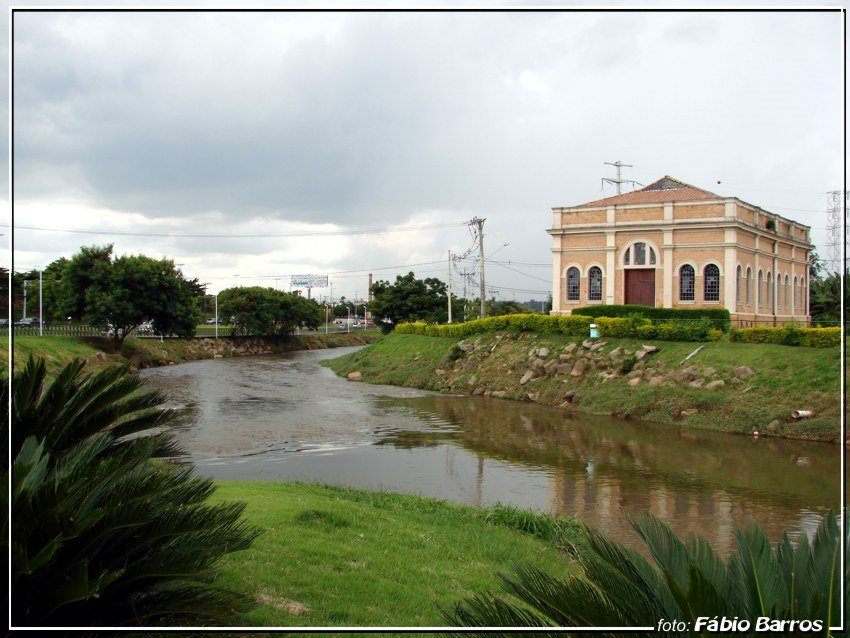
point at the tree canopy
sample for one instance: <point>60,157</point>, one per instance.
<point>125,291</point>
<point>255,310</point>
<point>411,299</point>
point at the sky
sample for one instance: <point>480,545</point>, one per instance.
<point>249,147</point>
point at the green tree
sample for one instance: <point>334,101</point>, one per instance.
<point>507,307</point>
<point>125,291</point>
<point>411,299</point>
<point>103,533</point>
<point>825,299</point>
<point>78,275</point>
<point>254,310</point>
<point>686,580</point>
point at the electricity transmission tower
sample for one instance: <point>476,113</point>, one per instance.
<point>618,165</point>
<point>835,214</point>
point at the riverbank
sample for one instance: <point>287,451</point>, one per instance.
<point>332,556</point>
<point>99,352</point>
<point>729,387</point>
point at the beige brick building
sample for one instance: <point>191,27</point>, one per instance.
<point>673,245</point>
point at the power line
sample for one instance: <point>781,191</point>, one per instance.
<point>318,233</point>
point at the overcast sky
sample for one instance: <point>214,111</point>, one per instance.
<point>225,132</point>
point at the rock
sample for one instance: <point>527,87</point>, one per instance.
<point>477,392</point>
<point>649,348</point>
<point>528,376</point>
<point>354,376</point>
<point>564,368</point>
<point>543,352</point>
<point>563,405</point>
<point>439,371</point>
<point>579,368</point>
<point>615,353</point>
<point>744,372</point>
<point>697,384</point>
<point>218,356</point>
<point>773,425</point>
<point>640,365</point>
<point>570,347</point>
<point>466,347</point>
<point>709,372</point>
<point>551,366</point>
<point>499,394</point>
<point>690,412</point>
<point>472,380</point>
<point>587,343</point>
<point>530,397</point>
<point>745,390</point>
<point>688,374</point>
<point>640,354</point>
<point>635,381</point>
<point>569,396</point>
<point>656,381</point>
<point>597,346</point>
<point>565,357</point>
<point>532,353</point>
<point>477,342</point>
<point>635,373</point>
<point>713,385</point>
<point>538,365</point>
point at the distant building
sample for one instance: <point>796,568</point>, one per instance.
<point>674,245</point>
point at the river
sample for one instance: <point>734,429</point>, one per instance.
<point>287,418</point>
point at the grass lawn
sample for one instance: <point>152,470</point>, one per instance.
<point>339,557</point>
<point>786,379</point>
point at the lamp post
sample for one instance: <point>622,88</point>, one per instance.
<point>216,315</point>
<point>326,318</point>
<point>348,321</point>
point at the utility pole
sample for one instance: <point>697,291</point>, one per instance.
<point>618,164</point>
<point>450,286</point>
<point>464,294</point>
<point>40,309</point>
<point>479,224</point>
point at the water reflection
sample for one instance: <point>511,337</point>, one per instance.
<point>286,418</point>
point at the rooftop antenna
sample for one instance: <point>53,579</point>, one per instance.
<point>618,164</point>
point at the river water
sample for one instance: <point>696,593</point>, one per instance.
<point>286,418</point>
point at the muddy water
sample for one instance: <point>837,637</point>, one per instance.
<point>284,418</point>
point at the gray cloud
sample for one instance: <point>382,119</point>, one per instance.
<point>366,118</point>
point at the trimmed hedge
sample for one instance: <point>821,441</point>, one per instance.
<point>719,317</point>
<point>574,326</point>
<point>789,336</point>
<point>702,329</point>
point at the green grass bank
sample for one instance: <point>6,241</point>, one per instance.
<point>732,387</point>
<point>148,353</point>
<point>334,557</point>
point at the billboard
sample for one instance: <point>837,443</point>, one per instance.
<point>309,281</point>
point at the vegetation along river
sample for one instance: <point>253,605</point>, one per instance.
<point>286,418</point>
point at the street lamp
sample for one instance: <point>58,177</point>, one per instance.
<point>216,315</point>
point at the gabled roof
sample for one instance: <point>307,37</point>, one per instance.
<point>666,189</point>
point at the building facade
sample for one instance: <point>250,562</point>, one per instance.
<point>673,245</point>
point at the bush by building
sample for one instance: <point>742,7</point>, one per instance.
<point>719,317</point>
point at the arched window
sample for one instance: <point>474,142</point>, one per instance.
<point>711,283</point>
<point>759,292</point>
<point>639,254</point>
<point>796,296</point>
<point>770,304</point>
<point>573,285</point>
<point>738,286</point>
<point>803,293</point>
<point>785,293</point>
<point>686,283</point>
<point>594,284</point>
<point>749,285</point>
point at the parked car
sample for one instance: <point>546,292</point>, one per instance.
<point>30,322</point>
<point>212,321</point>
<point>145,328</point>
<point>4,323</point>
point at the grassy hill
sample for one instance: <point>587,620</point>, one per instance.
<point>731,387</point>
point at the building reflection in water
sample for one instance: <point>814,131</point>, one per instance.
<point>604,470</point>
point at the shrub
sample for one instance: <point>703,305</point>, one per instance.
<point>627,364</point>
<point>681,579</point>
<point>514,323</point>
<point>719,317</point>
<point>103,533</point>
<point>789,336</point>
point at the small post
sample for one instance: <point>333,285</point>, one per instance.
<point>40,310</point>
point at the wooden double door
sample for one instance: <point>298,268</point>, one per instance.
<point>640,286</point>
